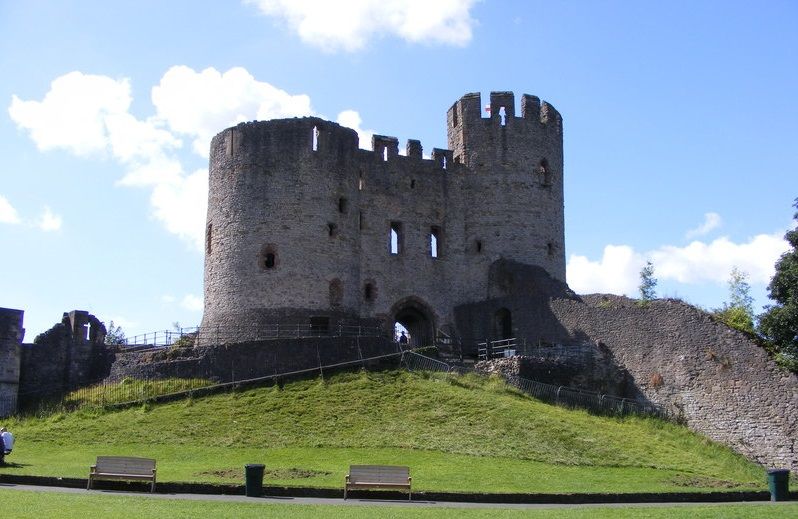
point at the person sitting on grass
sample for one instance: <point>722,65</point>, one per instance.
<point>6,443</point>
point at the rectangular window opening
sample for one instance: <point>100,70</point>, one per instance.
<point>434,241</point>
<point>396,238</point>
<point>342,205</point>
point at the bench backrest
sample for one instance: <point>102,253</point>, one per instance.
<point>378,473</point>
<point>125,465</point>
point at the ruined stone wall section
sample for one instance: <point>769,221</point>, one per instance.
<point>11,334</point>
<point>299,218</point>
<point>725,385</point>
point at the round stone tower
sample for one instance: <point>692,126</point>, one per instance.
<point>516,180</point>
<point>276,190</point>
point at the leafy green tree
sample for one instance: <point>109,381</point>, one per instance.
<point>738,312</point>
<point>779,323</point>
<point>648,283</point>
<point>114,334</point>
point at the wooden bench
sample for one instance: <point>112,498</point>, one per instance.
<point>122,468</point>
<point>378,476</point>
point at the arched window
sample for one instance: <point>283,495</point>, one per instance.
<point>268,257</point>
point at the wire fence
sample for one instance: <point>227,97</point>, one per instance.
<point>259,332</point>
<point>559,395</point>
<point>142,388</point>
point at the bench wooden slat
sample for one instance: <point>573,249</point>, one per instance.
<point>378,476</point>
<point>118,468</point>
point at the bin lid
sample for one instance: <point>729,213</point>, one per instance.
<point>778,471</point>
<point>254,466</point>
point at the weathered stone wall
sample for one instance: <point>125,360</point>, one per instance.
<point>11,334</point>
<point>583,366</point>
<point>247,360</point>
<point>299,217</point>
<point>69,355</point>
<point>723,383</point>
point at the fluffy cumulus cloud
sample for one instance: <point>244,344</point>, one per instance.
<point>711,222</point>
<point>618,270</point>
<point>89,115</point>
<point>200,104</point>
<point>49,221</point>
<point>351,119</point>
<point>348,25</point>
<point>7,212</point>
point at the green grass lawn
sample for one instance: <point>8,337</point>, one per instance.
<point>457,433</point>
<point>35,505</point>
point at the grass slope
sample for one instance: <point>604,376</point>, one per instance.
<point>457,433</point>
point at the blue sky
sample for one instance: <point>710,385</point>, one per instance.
<point>680,124</point>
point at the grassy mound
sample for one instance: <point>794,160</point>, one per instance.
<point>458,433</point>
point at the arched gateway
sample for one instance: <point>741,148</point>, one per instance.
<point>416,318</point>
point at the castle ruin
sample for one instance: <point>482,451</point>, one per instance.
<point>303,226</point>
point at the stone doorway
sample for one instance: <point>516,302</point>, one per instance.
<point>414,319</point>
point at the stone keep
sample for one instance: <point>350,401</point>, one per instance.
<point>303,225</point>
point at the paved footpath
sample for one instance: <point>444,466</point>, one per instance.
<point>356,502</point>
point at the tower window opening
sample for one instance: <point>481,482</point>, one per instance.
<point>396,238</point>
<point>336,292</point>
<point>385,154</point>
<point>478,246</point>
<point>208,238</point>
<point>550,249</point>
<point>502,116</point>
<point>315,144</point>
<point>332,230</point>
<point>269,260</point>
<point>369,291</point>
<point>361,183</point>
<point>444,162</point>
<point>545,172</point>
<point>360,222</point>
<point>434,241</point>
<point>412,183</point>
<point>342,205</point>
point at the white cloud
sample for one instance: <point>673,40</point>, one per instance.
<point>192,302</point>
<point>351,119</point>
<point>182,206</point>
<point>48,221</point>
<point>168,299</point>
<point>618,271</point>
<point>711,221</point>
<point>90,115</point>
<point>72,115</point>
<point>201,104</point>
<point>7,212</point>
<point>350,24</point>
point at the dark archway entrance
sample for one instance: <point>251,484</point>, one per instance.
<point>502,324</point>
<point>415,319</point>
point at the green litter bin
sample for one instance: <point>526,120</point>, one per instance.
<point>778,484</point>
<point>254,479</point>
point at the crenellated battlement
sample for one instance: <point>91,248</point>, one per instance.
<point>307,136</point>
<point>468,110</point>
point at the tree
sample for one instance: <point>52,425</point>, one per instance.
<point>738,312</point>
<point>779,323</point>
<point>114,334</point>
<point>648,283</point>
